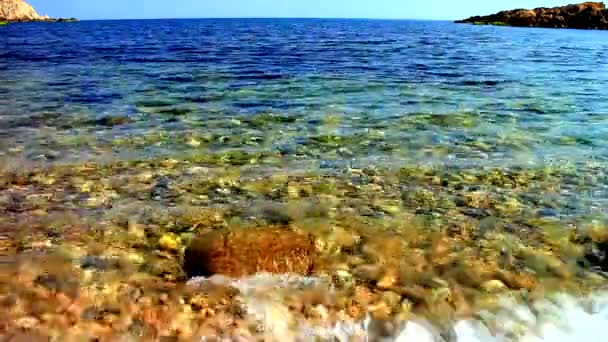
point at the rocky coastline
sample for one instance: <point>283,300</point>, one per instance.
<point>45,20</point>
<point>587,15</point>
<point>12,11</point>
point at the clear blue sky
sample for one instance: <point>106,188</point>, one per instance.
<point>402,9</point>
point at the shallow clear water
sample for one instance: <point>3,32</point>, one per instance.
<point>437,168</point>
<point>339,91</point>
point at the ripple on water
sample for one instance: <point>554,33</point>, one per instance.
<point>494,134</point>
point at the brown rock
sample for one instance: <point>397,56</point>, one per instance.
<point>415,293</point>
<point>471,273</point>
<point>385,249</point>
<point>19,10</point>
<point>440,249</point>
<point>246,252</point>
<point>389,279</point>
<point>517,281</point>
<point>523,18</point>
<point>587,15</point>
<point>364,296</point>
<point>369,273</point>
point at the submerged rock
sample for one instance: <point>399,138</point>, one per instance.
<point>169,242</point>
<point>112,121</point>
<point>596,256</point>
<point>247,252</point>
<point>587,15</point>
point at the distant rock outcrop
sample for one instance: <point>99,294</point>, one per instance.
<point>587,15</point>
<point>19,10</point>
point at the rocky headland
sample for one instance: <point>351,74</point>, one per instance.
<point>21,11</point>
<point>587,15</point>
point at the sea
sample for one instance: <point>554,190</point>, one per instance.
<point>322,96</point>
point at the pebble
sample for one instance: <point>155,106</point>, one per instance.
<point>493,286</point>
<point>547,212</point>
<point>388,280</point>
<point>39,212</point>
<point>197,170</point>
<point>136,230</point>
<point>344,238</point>
<point>343,274</point>
<point>27,323</point>
<point>368,272</point>
<point>16,149</point>
<point>380,311</point>
<point>440,248</point>
<point>321,312</point>
<point>193,142</point>
<point>391,298</point>
<point>169,242</point>
<point>363,295</point>
<point>135,258</point>
<point>517,281</point>
<point>98,262</point>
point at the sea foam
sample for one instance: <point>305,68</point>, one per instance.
<point>557,318</point>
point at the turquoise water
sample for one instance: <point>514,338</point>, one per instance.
<point>312,95</point>
<point>331,92</point>
<point>441,168</point>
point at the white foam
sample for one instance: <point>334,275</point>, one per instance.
<point>560,318</point>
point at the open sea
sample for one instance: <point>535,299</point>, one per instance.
<point>503,130</point>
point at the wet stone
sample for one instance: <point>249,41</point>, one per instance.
<point>493,286</point>
<point>112,121</point>
<point>275,215</point>
<point>160,189</point>
<point>596,257</point>
<point>246,252</point>
<point>164,268</point>
<point>547,212</point>
<point>99,263</point>
<point>476,213</point>
<point>57,283</point>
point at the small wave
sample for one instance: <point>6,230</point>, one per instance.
<point>103,98</point>
<point>178,79</point>
<point>260,77</point>
<point>558,318</point>
<point>161,59</point>
<point>183,49</point>
<point>489,83</point>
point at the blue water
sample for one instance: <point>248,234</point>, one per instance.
<point>264,122</point>
<point>385,92</point>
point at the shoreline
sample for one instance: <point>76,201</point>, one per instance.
<point>587,15</point>
<point>154,176</point>
<point>50,20</point>
<point>106,246</point>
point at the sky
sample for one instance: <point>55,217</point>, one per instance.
<point>379,9</point>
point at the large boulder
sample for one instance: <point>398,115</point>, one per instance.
<point>249,251</point>
<point>587,15</point>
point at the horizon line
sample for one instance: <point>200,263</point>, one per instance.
<point>309,18</point>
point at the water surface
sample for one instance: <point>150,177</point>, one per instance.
<point>391,91</point>
<point>437,167</point>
